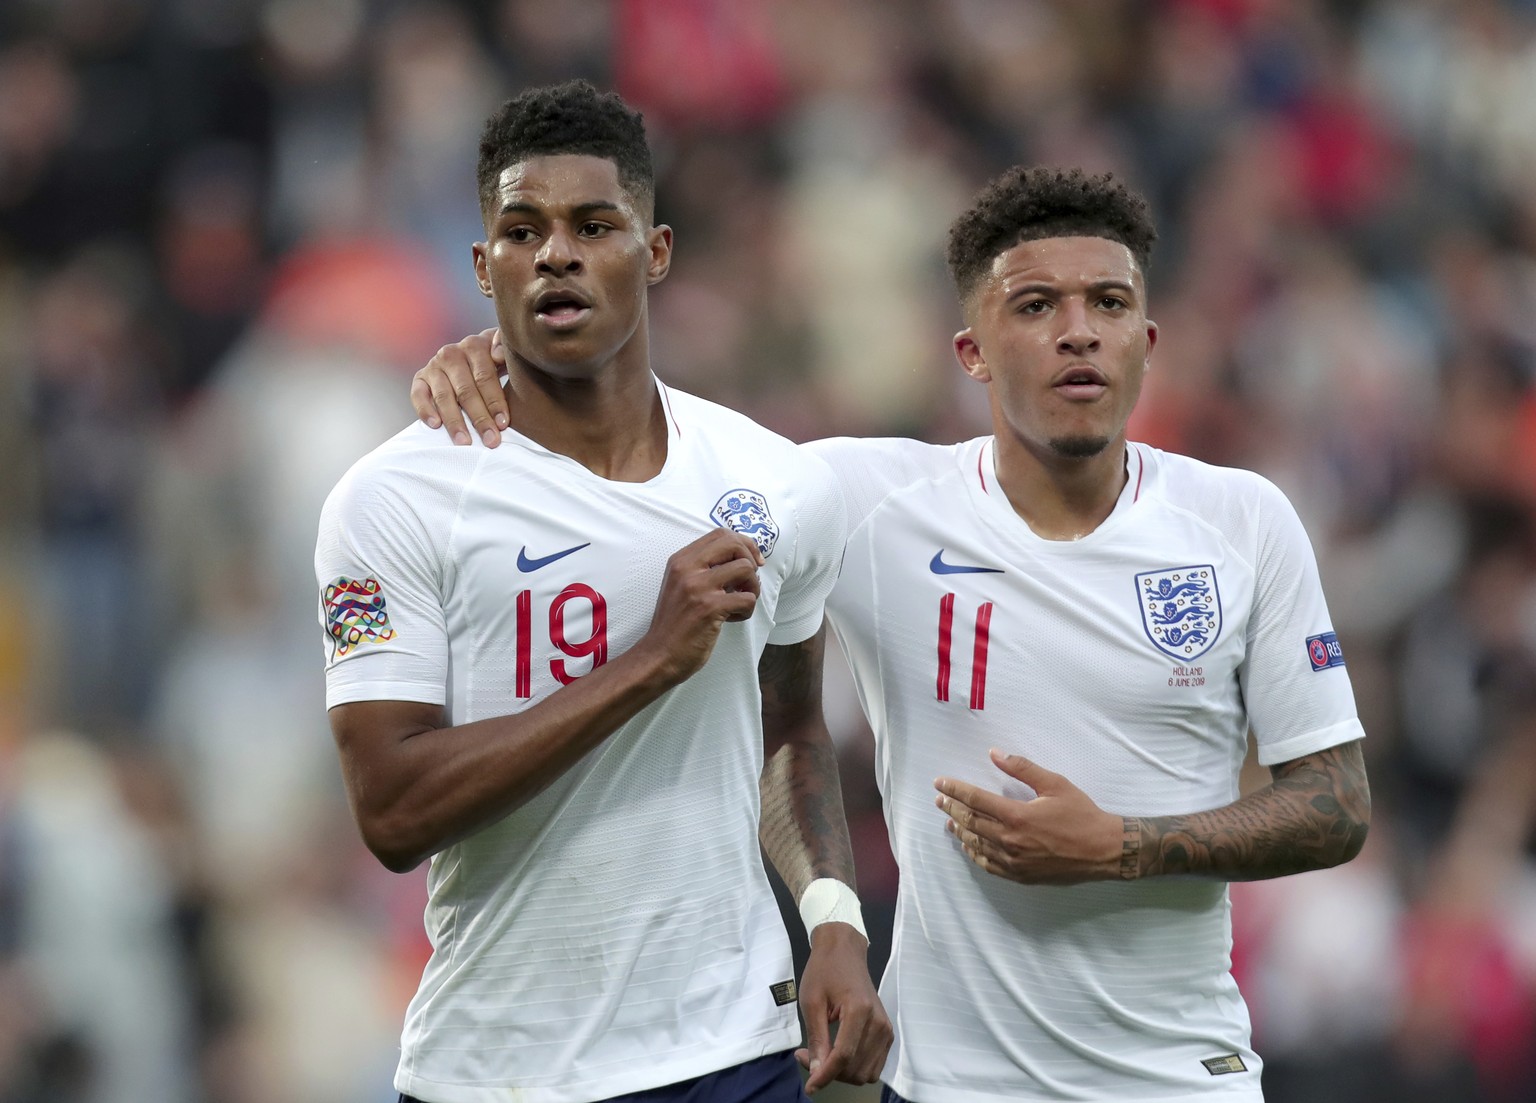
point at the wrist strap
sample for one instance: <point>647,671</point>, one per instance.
<point>828,900</point>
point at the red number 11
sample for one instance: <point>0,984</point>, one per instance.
<point>978,650</point>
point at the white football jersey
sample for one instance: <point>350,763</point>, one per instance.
<point>618,931</point>
<point>1132,661</point>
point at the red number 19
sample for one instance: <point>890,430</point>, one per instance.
<point>594,647</point>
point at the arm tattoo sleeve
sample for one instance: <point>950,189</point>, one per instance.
<point>802,830</point>
<point>1313,815</point>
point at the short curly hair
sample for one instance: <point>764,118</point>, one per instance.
<point>573,117</point>
<point>1027,204</point>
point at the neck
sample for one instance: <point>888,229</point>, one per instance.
<point>612,423</point>
<point>1060,497</point>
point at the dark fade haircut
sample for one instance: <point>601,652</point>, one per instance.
<point>1028,204</point>
<point>573,117</point>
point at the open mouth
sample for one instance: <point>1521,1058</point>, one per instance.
<point>1082,375</point>
<point>1084,382</point>
<point>561,309</point>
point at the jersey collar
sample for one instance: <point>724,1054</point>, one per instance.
<point>993,504</point>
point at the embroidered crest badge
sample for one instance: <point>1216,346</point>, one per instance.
<point>1180,609</point>
<point>746,511</point>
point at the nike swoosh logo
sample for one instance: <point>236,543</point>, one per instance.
<point>525,564</point>
<point>938,566</point>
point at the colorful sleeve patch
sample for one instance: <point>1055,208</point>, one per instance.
<point>1324,651</point>
<point>355,614</point>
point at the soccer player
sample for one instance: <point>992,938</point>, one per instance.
<point>1062,639</point>
<point>572,670</point>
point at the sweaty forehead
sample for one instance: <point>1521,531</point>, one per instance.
<point>1067,262</point>
<point>561,181</point>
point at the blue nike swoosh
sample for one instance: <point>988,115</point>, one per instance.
<point>525,564</point>
<point>938,566</point>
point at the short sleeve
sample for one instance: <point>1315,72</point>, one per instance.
<point>1294,680</point>
<point>851,607</point>
<point>380,572</point>
<point>869,469</point>
<point>820,532</point>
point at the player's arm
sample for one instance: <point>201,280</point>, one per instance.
<point>805,835</point>
<point>803,829</point>
<point>417,785</point>
<point>1312,815</point>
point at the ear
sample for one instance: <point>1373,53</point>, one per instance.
<point>968,353</point>
<point>482,273</point>
<point>659,240</point>
<point>1151,344</point>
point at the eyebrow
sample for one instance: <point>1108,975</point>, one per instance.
<point>1098,286</point>
<point>521,207</point>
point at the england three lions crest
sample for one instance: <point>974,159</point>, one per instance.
<point>1180,609</point>
<point>746,512</point>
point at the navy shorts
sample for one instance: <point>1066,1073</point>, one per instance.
<point>771,1079</point>
<point>888,1096</point>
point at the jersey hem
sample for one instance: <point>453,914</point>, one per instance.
<point>424,693</point>
<point>796,631</point>
<point>712,1059</point>
<point>1345,731</point>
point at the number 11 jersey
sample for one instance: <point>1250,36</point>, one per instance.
<point>1132,661</point>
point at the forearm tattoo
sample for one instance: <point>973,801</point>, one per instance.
<point>803,829</point>
<point>1313,815</point>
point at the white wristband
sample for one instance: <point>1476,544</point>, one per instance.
<point>828,900</point>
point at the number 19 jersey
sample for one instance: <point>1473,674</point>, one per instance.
<point>618,931</point>
<point>1133,661</point>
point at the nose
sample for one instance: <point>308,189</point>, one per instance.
<point>1078,335</point>
<point>558,255</point>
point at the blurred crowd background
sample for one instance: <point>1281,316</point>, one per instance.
<point>230,231</point>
